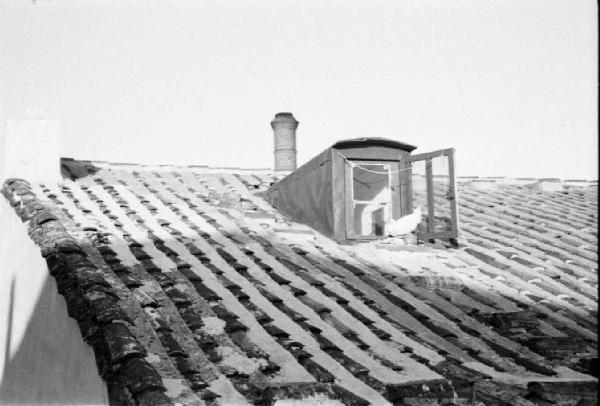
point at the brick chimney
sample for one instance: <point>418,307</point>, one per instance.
<point>284,130</point>
<point>30,149</point>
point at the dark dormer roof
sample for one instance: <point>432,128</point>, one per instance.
<point>373,141</point>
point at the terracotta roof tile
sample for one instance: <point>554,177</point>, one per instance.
<point>178,264</point>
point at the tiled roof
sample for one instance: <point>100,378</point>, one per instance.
<point>192,289</point>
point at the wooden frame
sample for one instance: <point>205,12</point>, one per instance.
<point>349,186</point>
<point>452,196</point>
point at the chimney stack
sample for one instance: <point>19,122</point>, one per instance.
<point>284,130</point>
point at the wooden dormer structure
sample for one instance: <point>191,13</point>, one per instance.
<point>356,187</point>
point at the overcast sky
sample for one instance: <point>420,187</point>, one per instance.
<point>510,84</point>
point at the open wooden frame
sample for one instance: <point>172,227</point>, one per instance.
<point>394,202</point>
<point>452,195</point>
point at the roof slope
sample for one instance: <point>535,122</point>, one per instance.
<point>192,289</point>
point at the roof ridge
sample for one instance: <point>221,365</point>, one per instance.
<point>461,178</point>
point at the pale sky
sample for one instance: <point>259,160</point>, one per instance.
<point>512,85</point>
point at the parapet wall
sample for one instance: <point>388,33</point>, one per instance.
<point>43,358</point>
<point>100,320</point>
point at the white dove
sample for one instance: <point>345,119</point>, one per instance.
<point>405,224</point>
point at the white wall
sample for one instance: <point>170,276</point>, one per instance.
<point>43,358</point>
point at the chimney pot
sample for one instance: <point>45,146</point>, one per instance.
<point>284,127</point>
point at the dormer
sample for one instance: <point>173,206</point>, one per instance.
<point>360,189</point>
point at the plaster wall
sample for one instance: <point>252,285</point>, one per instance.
<point>43,358</point>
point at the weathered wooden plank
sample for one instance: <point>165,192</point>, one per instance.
<point>430,155</point>
<point>453,193</point>
<point>349,206</point>
<point>430,191</point>
<point>433,235</point>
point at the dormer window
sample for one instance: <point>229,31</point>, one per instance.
<point>370,198</point>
